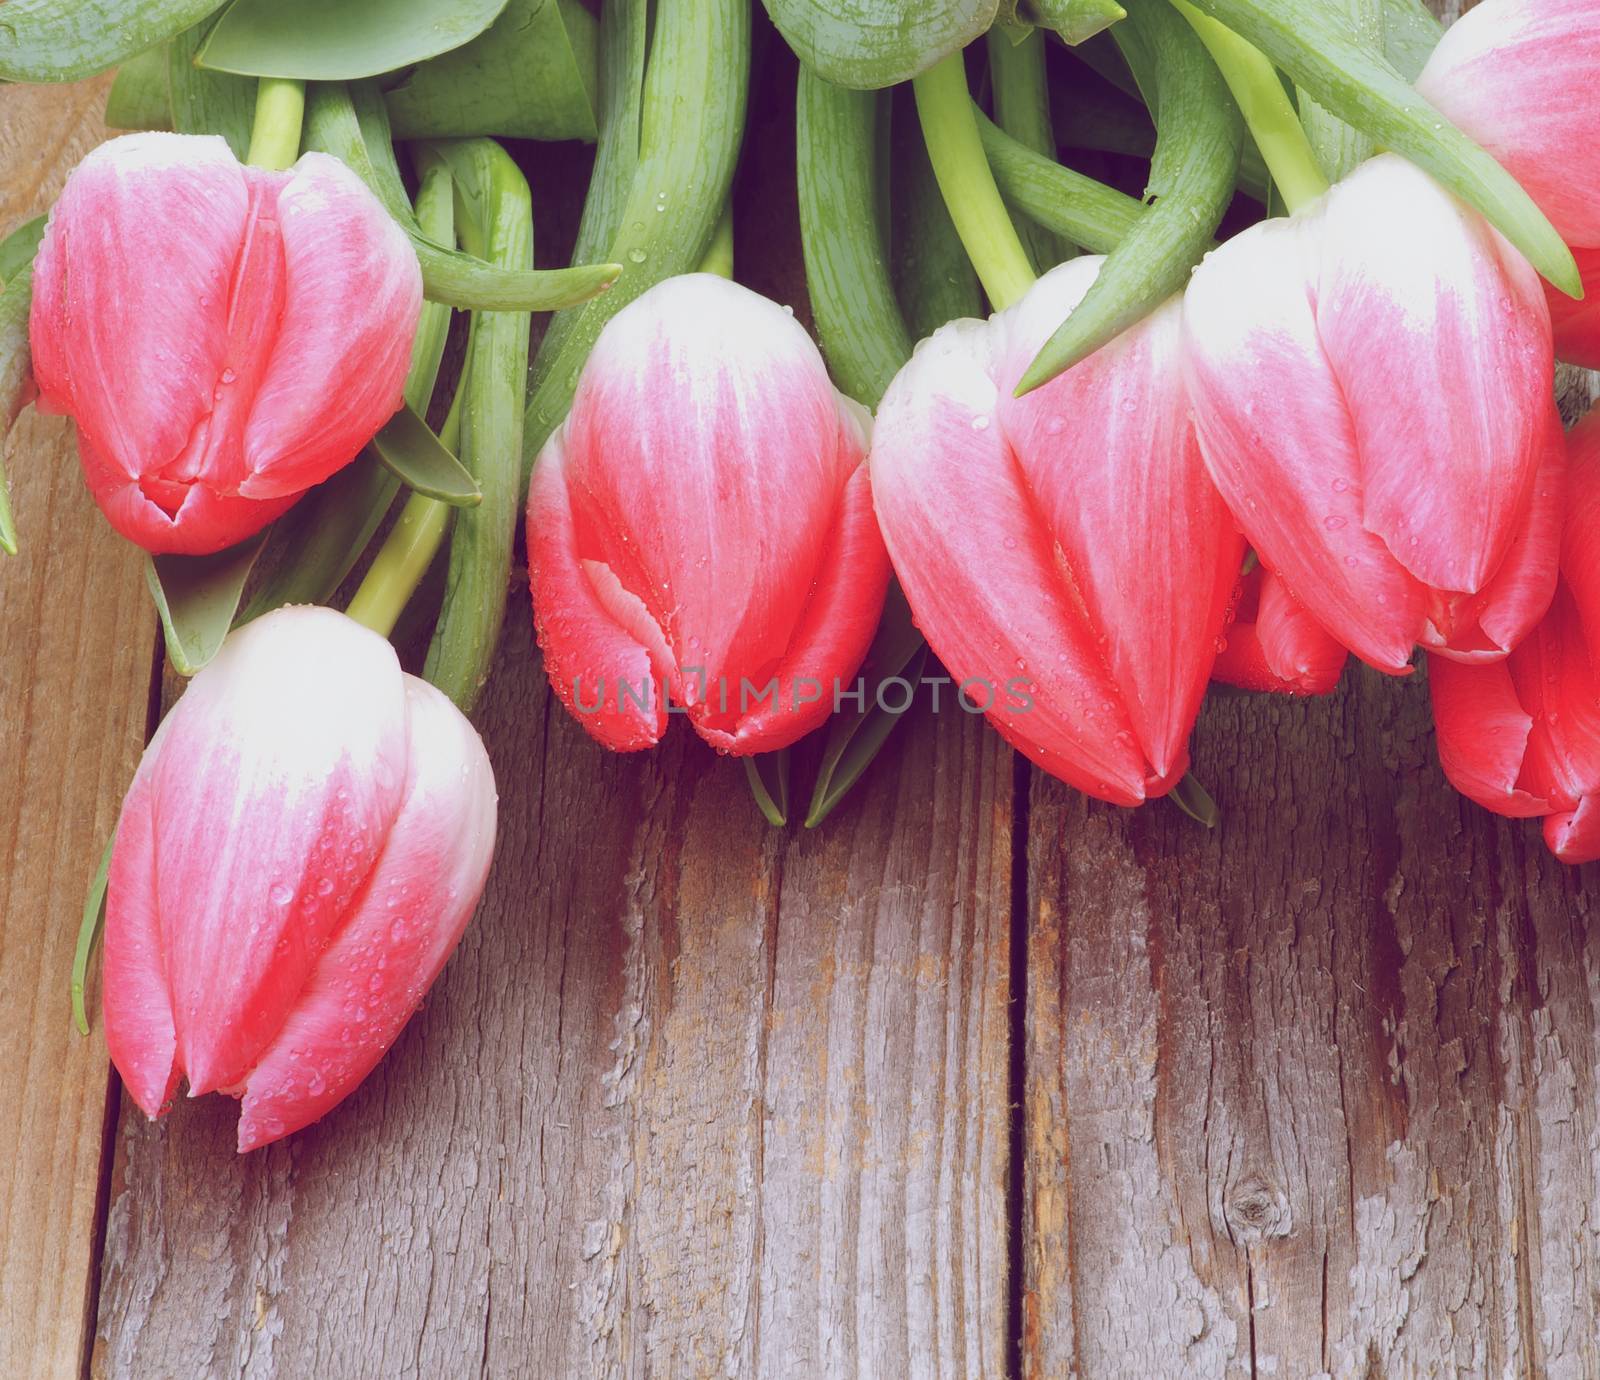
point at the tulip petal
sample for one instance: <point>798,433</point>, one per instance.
<point>402,927</point>
<point>1275,645</point>
<point>146,226</point>
<point>704,467</point>
<point>1483,733</point>
<point>605,658</point>
<point>983,574</point>
<point>1555,677</point>
<point>833,637</point>
<point>274,788</point>
<point>1577,323</point>
<point>1279,443</point>
<point>1439,336</point>
<point>352,298</point>
<point>1487,626</point>
<point>1580,540</point>
<point>1109,452</point>
<point>140,1034</point>
<point>1574,836</point>
<point>1519,76</point>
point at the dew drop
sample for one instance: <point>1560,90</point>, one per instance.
<point>1339,486</point>
<point>282,893</point>
<point>636,256</point>
<point>1056,425</point>
<point>1333,522</point>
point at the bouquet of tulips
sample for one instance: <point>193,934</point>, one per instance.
<point>291,318</point>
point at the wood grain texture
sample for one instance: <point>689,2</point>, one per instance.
<point>1314,1094</point>
<point>693,1098</point>
<point>78,640</point>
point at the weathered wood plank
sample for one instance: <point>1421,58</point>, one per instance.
<point>693,1098</point>
<point>76,646</point>
<point>1314,1094</point>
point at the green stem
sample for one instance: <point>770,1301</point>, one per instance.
<point>719,253</point>
<point>408,551</point>
<point>951,132</point>
<point>1266,108</point>
<point>280,112</point>
<point>94,914</point>
<point>400,564</point>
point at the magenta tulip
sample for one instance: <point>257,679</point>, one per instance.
<point>1522,736</point>
<point>700,529</point>
<point>1275,645</point>
<point>224,337</point>
<point>1521,76</point>
<point>1371,382</point>
<point>301,848</point>
<point>1064,553</point>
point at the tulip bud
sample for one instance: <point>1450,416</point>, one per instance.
<point>1371,382</point>
<point>1520,77</point>
<point>223,336</point>
<point>700,528</point>
<point>305,839</point>
<point>1064,553</point>
<point>1522,736</point>
<point>1275,645</point>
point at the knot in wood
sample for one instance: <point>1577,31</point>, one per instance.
<point>1255,1209</point>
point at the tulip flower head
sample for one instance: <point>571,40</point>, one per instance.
<point>224,337</point>
<point>1371,380</point>
<point>1064,552</point>
<point>700,529</point>
<point>304,842</point>
<point>1522,736</point>
<point>1275,645</point>
<point>1520,77</point>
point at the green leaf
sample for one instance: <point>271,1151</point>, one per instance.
<point>1198,135</point>
<point>530,76</point>
<point>768,775</point>
<point>1075,21</point>
<point>1195,801</point>
<point>94,919</point>
<point>16,380</point>
<point>62,40</point>
<point>1022,109</point>
<point>139,97</point>
<point>622,57</point>
<point>854,739</point>
<point>847,277</point>
<point>19,247</point>
<point>869,44</point>
<point>933,278</point>
<point>1410,34</point>
<point>208,102</point>
<point>691,124</point>
<point>197,597</point>
<point>333,126</point>
<point>1087,212</point>
<point>408,447</point>
<point>340,40</point>
<point>1317,51</point>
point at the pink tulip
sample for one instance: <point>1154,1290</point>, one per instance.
<point>1521,76</point>
<point>700,529</point>
<point>1064,553</point>
<point>224,337</point>
<point>303,844</point>
<point>1371,382</point>
<point>1275,645</point>
<point>1522,736</point>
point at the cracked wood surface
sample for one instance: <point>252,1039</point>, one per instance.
<point>694,1098</point>
<point>76,653</point>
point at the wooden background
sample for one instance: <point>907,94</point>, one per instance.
<point>979,1079</point>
